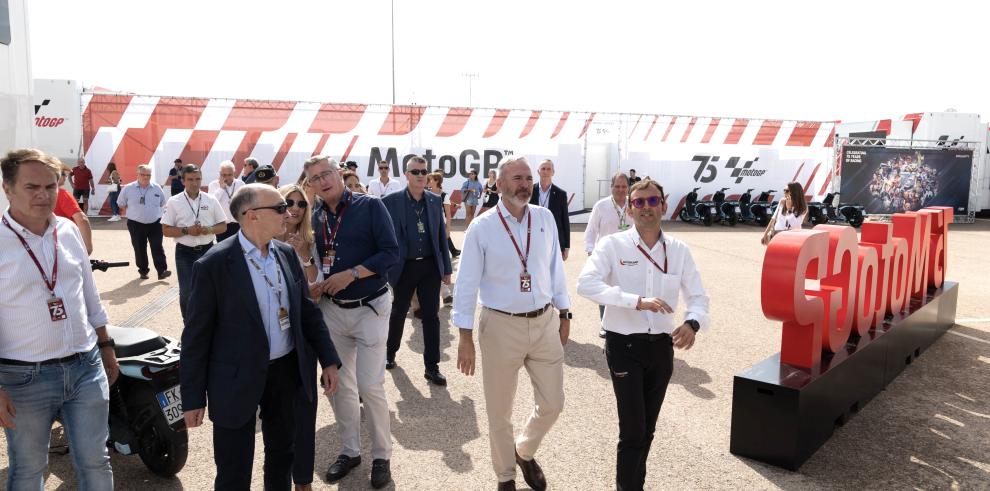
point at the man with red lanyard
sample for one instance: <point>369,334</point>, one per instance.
<point>512,263</point>
<point>357,253</point>
<point>638,275</point>
<point>56,358</point>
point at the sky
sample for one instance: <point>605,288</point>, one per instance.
<point>812,60</point>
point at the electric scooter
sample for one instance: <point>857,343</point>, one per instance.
<point>729,212</point>
<point>762,209</point>
<point>695,211</point>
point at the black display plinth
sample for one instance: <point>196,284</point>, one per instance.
<point>782,414</point>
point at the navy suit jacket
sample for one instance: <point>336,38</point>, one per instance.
<point>558,206</point>
<point>224,343</point>
<point>395,203</point>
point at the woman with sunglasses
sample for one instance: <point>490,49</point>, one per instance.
<point>470,193</point>
<point>299,234</point>
<point>491,192</point>
<point>791,212</point>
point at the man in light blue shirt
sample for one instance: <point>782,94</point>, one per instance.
<point>270,290</point>
<point>142,202</point>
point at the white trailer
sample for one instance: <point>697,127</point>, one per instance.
<point>15,80</point>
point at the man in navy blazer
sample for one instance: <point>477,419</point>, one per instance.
<point>250,336</point>
<point>550,196</point>
<point>417,217</point>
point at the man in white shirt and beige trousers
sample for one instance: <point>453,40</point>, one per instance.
<point>638,275</point>
<point>512,263</point>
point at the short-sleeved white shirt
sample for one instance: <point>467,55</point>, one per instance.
<point>181,211</point>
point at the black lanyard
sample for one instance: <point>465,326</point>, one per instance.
<point>197,209</point>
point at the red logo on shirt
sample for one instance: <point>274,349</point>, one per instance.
<point>858,283</point>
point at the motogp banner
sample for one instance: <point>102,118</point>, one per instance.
<point>897,180</point>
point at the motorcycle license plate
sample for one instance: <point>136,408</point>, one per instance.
<point>171,403</point>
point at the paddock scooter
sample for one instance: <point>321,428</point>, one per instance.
<point>762,209</point>
<point>827,212</point>
<point>729,212</point>
<point>745,215</point>
<point>695,211</point>
<point>146,415</point>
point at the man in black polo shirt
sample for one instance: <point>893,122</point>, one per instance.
<point>174,180</point>
<point>357,253</point>
<point>417,218</point>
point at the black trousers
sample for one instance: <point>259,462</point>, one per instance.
<point>143,234</point>
<point>304,445</point>
<point>640,370</point>
<point>233,448</point>
<point>423,277</point>
<point>232,229</point>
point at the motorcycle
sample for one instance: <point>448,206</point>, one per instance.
<point>827,212</point>
<point>762,209</point>
<point>698,211</point>
<point>745,215</point>
<point>145,402</point>
<point>729,212</point>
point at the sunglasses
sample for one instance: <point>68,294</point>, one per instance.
<point>652,202</point>
<point>381,167</point>
<point>418,172</point>
<point>289,203</point>
<point>279,208</point>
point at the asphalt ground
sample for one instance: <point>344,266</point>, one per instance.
<point>930,429</point>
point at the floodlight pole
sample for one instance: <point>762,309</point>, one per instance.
<point>393,52</point>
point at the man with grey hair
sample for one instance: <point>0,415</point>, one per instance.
<point>608,216</point>
<point>143,202</point>
<point>247,173</point>
<point>242,352</point>
<point>550,196</point>
<point>511,262</point>
<point>223,190</point>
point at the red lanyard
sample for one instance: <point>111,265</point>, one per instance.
<point>328,240</point>
<point>648,256</point>
<point>529,230</point>
<point>44,276</point>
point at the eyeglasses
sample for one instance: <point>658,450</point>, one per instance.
<point>418,172</point>
<point>279,208</point>
<point>289,203</point>
<point>144,175</point>
<point>652,202</point>
<point>322,176</point>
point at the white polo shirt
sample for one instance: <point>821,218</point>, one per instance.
<point>183,211</point>
<point>224,194</point>
<point>376,188</point>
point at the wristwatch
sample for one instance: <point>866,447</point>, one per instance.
<point>355,273</point>
<point>103,344</point>
<point>566,315</point>
<point>184,230</point>
<point>693,324</point>
<point>310,262</point>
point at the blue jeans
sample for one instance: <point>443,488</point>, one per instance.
<point>114,208</point>
<point>78,392</point>
<point>184,258</point>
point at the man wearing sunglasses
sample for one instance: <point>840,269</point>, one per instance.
<point>384,185</point>
<point>638,274</point>
<point>357,252</point>
<point>424,261</point>
<point>193,219</point>
<point>242,352</point>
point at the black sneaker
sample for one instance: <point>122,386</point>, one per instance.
<point>390,364</point>
<point>164,274</point>
<point>144,276</point>
<point>435,377</point>
<point>341,467</point>
<point>380,473</point>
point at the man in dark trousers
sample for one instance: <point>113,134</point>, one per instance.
<point>246,351</point>
<point>417,218</point>
<point>550,196</point>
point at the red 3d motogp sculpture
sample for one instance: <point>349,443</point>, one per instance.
<point>834,286</point>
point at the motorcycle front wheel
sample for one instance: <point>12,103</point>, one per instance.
<point>683,215</point>
<point>708,220</point>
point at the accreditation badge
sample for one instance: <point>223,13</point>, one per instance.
<point>525,283</point>
<point>283,319</point>
<point>56,308</point>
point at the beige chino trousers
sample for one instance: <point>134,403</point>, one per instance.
<point>508,343</point>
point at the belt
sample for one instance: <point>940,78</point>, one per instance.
<point>199,248</point>
<point>54,361</point>
<point>529,315</point>
<point>644,336</point>
<point>418,258</point>
<point>361,302</point>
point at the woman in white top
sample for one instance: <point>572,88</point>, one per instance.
<point>791,212</point>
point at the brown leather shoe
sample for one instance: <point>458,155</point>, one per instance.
<point>532,473</point>
<point>507,486</point>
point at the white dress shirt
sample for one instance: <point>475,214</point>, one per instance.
<point>617,274</point>
<point>183,211</point>
<point>27,331</point>
<point>376,188</point>
<point>490,266</point>
<point>606,218</point>
<point>223,195</point>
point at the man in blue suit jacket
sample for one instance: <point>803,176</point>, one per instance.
<point>417,217</point>
<point>550,196</point>
<point>250,337</point>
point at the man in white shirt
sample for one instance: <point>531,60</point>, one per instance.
<point>384,185</point>
<point>608,216</point>
<point>512,263</point>
<point>223,190</point>
<point>193,219</point>
<point>56,358</point>
<point>638,275</point>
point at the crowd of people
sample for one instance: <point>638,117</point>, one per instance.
<point>334,268</point>
<point>903,183</point>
